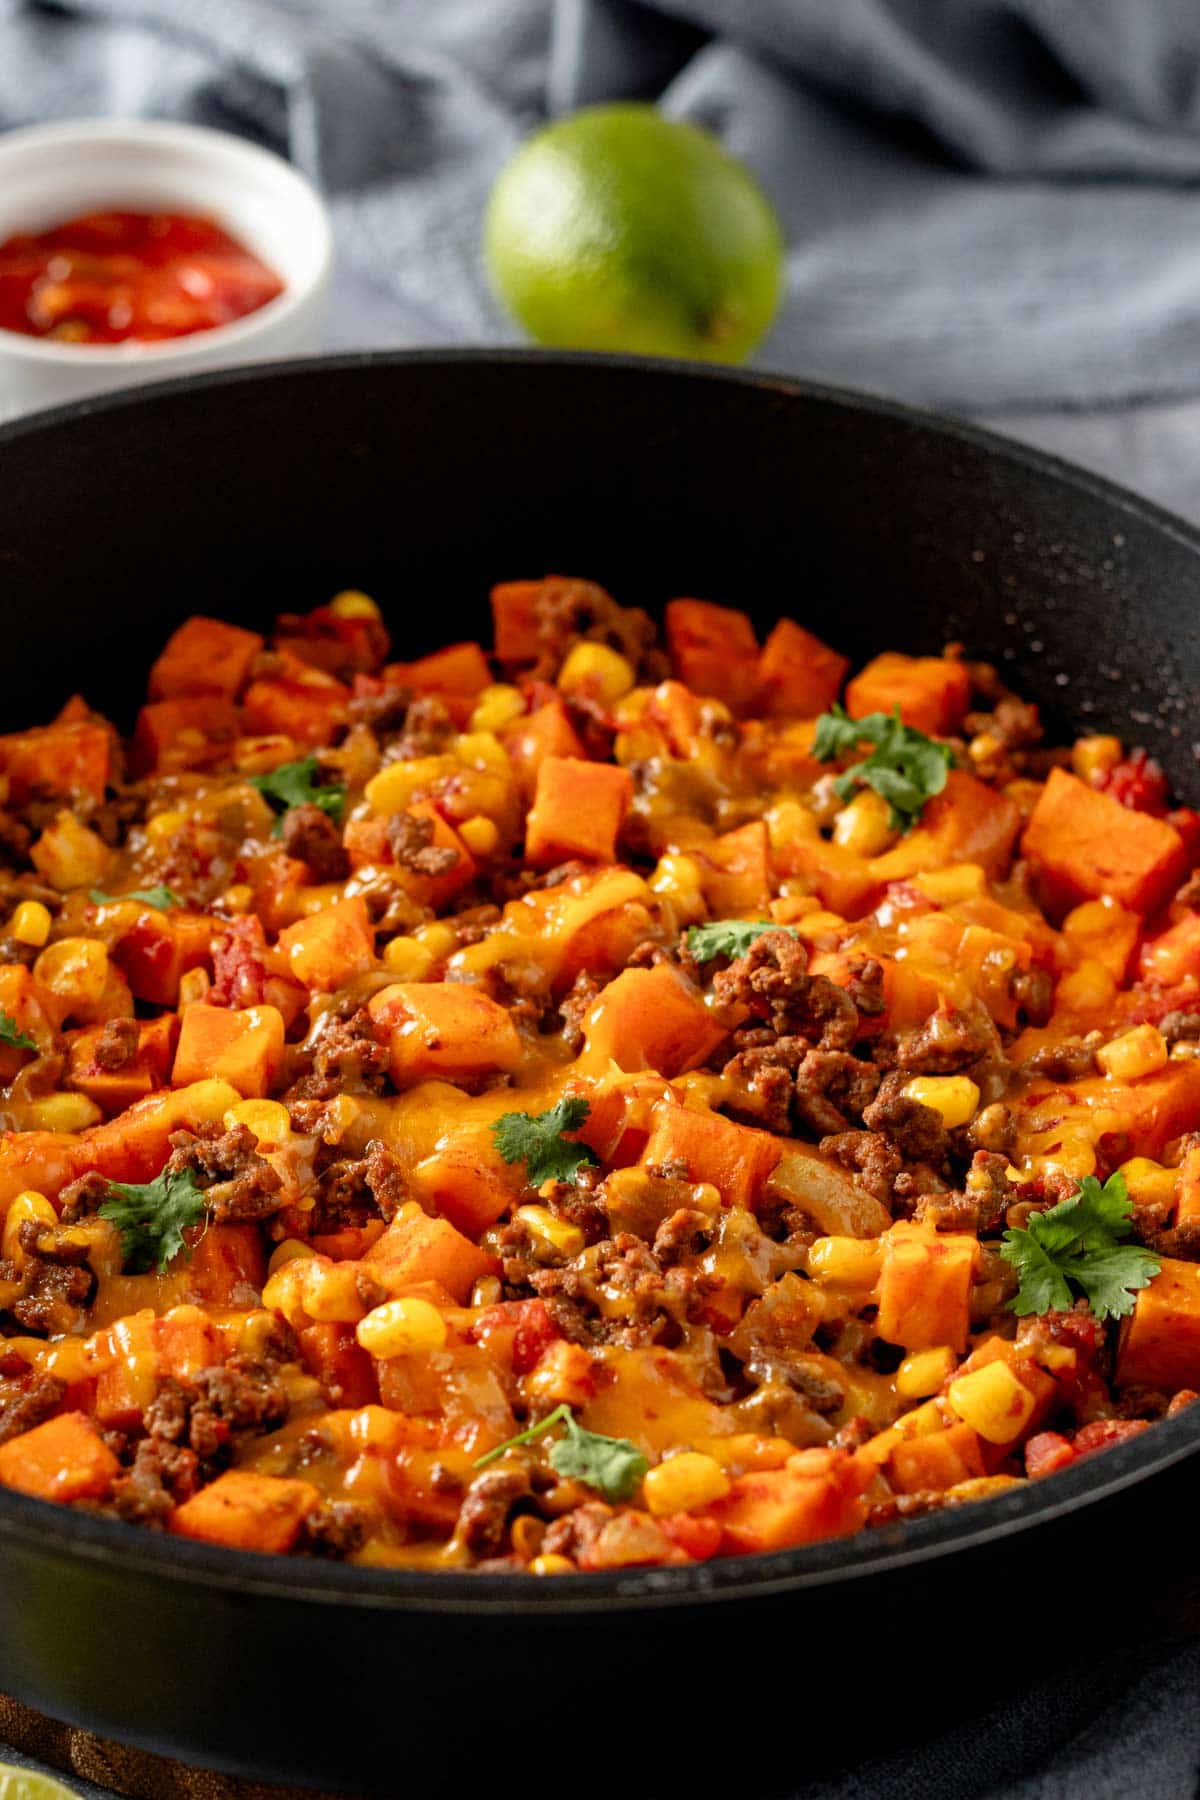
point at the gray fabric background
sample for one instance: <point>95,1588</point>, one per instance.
<point>993,207</point>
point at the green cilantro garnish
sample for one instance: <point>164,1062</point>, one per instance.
<point>152,1217</point>
<point>295,784</point>
<point>536,1140</point>
<point>727,937</point>
<point>905,766</point>
<point>160,897</point>
<point>613,1466</point>
<point>1078,1242</point>
<point>9,1033</point>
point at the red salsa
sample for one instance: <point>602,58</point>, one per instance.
<point>109,276</point>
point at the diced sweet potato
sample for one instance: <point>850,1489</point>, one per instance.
<point>515,620</point>
<point>244,1047</point>
<point>416,1248</point>
<point>650,1019</point>
<point>437,890</point>
<point>228,1266</point>
<point>817,1494</point>
<point>115,1089</point>
<point>936,1461</point>
<point>41,1161</point>
<point>546,731</point>
<point>799,676</point>
<point>841,879</point>
<point>577,810</point>
<point>736,871</point>
<point>466,1183</point>
<point>736,1159</point>
<point>457,675</point>
<point>187,733</point>
<point>329,947</point>
<point>66,758</point>
<point>1174,955</point>
<point>65,1459</point>
<point>968,822</point>
<point>443,1028</point>
<point>333,1355</point>
<point>205,656</point>
<point>713,650</point>
<point>188,1341</point>
<point>246,1511</point>
<point>925,1286</point>
<point>135,1145</point>
<point>159,948</point>
<point>301,703</point>
<point>1083,843</point>
<point>1159,1344</point>
<point>130,1381</point>
<point>932,692</point>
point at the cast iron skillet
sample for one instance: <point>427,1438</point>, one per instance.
<point>422,478</point>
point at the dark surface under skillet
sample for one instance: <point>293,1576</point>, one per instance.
<point>423,478</point>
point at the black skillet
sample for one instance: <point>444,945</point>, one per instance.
<point>422,478</point>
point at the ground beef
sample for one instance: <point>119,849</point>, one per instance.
<point>80,1199</point>
<point>788,1086</point>
<point>117,1045</point>
<point>577,1531</point>
<point>578,1296</point>
<point>581,1203</point>
<point>163,1474</point>
<point>917,1131</point>
<point>566,610</point>
<point>487,1503</point>
<point>428,729</point>
<point>944,1045</point>
<point>31,1405</point>
<point>575,1006</point>
<point>1033,991</point>
<point>239,964</point>
<point>773,983</point>
<point>684,1232</point>
<point>386,1179</point>
<point>1071,1060</point>
<point>347,1059</point>
<point>1014,723</point>
<point>870,1156</point>
<point>384,714</point>
<point>474,924</point>
<point>335,1530</point>
<point>1180,1027</point>
<point>241,1396</point>
<point>310,835</point>
<point>55,1283</point>
<point>832,1089</point>
<point>239,1184</point>
<point>411,839</point>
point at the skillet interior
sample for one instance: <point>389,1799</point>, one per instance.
<point>423,478</point>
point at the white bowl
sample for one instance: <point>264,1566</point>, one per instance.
<point>50,173</point>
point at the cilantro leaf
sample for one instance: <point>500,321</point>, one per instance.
<point>536,1140</point>
<point>1079,1241</point>
<point>159,897</point>
<point>152,1217</point>
<point>613,1466</point>
<point>905,767</point>
<point>296,784</point>
<point>10,1035</point>
<point>727,937</point>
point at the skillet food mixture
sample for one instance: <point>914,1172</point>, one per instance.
<point>592,1105</point>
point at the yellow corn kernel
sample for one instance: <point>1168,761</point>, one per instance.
<point>684,1482</point>
<point>331,1293</point>
<point>848,1261</point>
<point>239,898</point>
<point>923,1373</point>
<point>497,707</point>
<point>678,877</point>
<point>74,970</point>
<point>398,783</point>
<point>407,960</point>
<point>401,1328</point>
<point>992,1402</point>
<point>194,985</point>
<point>439,939</point>
<point>351,604</point>
<point>30,923</point>
<point>955,1097</point>
<point>375,1428</point>
<point>788,822</point>
<point>814,925</point>
<point>946,887</point>
<point>790,908</point>
<point>257,756</point>
<point>28,1208</point>
<point>1092,757</point>
<point>291,1250</point>
<point>64,1112</point>
<point>483,750</point>
<point>164,825</point>
<point>551,1564</point>
<point>487,1291</point>
<point>269,1120</point>
<point>1147,1182</point>
<point>479,834</point>
<point>284,1291</point>
<point>526,1534</point>
<point>1133,1054</point>
<point>68,855</point>
<point>554,1234</point>
<point>862,825</point>
<point>1089,988</point>
<point>596,669</point>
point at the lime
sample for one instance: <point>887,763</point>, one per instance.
<point>618,229</point>
<point>27,1784</point>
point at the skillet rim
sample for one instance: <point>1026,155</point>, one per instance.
<point>109,1544</point>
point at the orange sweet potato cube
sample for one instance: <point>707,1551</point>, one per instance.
<point>246,1511</point>
<point>416,1248</point>
<point>228,1266</point>
<point>329,947</point>
<point>205,656</point>
<point>545,732</point>
<point>115,1089</point>
<point>64,758</point>
<point>1083,843</point>
<point>736,1159</point>
<point>441,1028</point>
<point>457,674</point>
<point>188,1341</point>
<point>650,1019</point>
<point>817,1494</point>
<point>437,890</point>
<point>299,702</point>
<point>185,733</point>
<point>932,692</point>
<point>713,651</point>
<point>736,871</point>
<point>925,1286</point>
<point>130,1381</point>
<point>65,1459</point>
<point>159,948</point>
<point>1171,957</point>
<point>577,810</point>
<point>968,822</point>
<point>338,1361</point>
<point>243,1047</point>
<point>466,1183</point>
<point>1159,1343</point>
<point>514,618</point>
<point>799,676</point>
<point>936,1461</point>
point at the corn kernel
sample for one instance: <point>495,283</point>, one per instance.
<point>1092,757</point>
<point>400,1328</point>
<point>947,887</point>
<point>923,1373</point>
<point>291,1250</point>
<point>351,604</point>
<point>788,822</point>
<point>269,1120</point>
<point>955,1097</point>
<point>497,707</point>
<point>863,824</point>
<point>239,898</point>
<point>376,1428</point>
<point>439,939</point>
<point>789,908</point>
<point>164,825</point>
<point>64,1112</point>
<point>598,670</point>
<point>1133,1054</point>
<point>813,926</point>
<point>398,783</point>
<point>74,970</point>
<point>194,985</point>
<point>257,756</point>
<point>679,878</point>
<point>848,1261</point>
<point>479,834</point>
<point>526,1534</point>
<point>487,1291</point>
<point>684,1482</point>
<point>284,1291</point>
<point>30,923</point>
<point>1089,988</point>
<point>1147,1182</point>
<point>483,750</point>
<point>27,1208</point>
<point>992,1402</point>
<point>68,855</point>
<point>331,1292</point>
<point>552,1233</point>
<point>407,960</point>
<point>551,1564</point>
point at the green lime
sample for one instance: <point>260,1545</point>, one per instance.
<point>618,229</point>
<point>27,1784</point>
